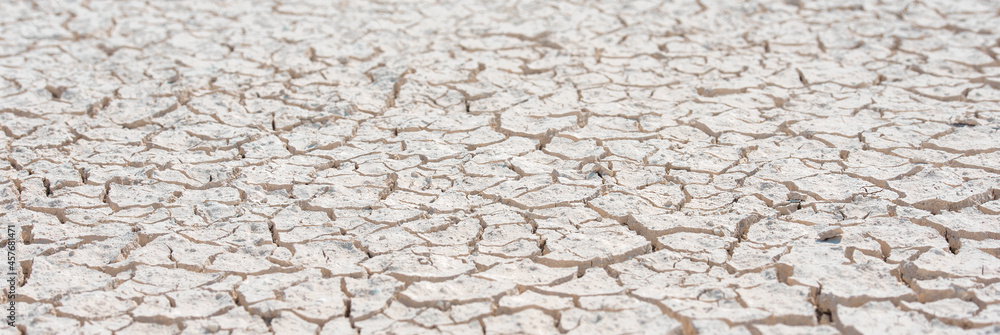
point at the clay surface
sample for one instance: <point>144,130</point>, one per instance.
<point>466,167</point>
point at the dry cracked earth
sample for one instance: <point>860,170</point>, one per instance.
<point>584,167</point>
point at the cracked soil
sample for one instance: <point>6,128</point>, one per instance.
<point>502,167</point>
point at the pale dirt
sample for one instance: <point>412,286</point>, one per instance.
<point>379,167</point>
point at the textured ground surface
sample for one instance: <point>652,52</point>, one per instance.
<point>413,168</point>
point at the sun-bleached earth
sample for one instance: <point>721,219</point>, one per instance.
<point>418,167</point>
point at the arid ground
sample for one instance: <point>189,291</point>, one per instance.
<point>465,167</point>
